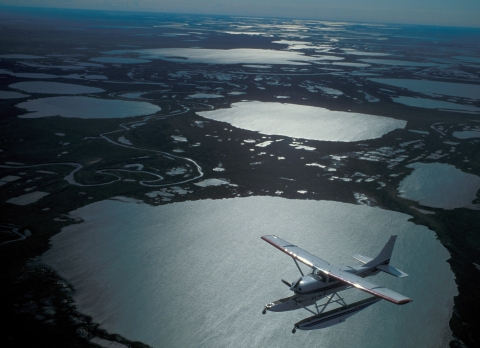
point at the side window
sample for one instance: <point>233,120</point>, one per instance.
<point>320,275</point>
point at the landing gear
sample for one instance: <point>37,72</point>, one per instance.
<point>294,330</point>
<point>264,311</point>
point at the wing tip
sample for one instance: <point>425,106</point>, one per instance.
<point>393,300</point>
<point>402,302</point>
<point>268,240</point>
<point>390,299</point>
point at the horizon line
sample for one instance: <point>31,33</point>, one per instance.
<point>146,11</point>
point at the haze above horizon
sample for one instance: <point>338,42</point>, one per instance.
<point>428,12</point>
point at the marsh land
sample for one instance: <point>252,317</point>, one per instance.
<point>109,121</point>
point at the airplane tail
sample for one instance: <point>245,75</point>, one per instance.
<point>384,257</point>
<point>382,261</point>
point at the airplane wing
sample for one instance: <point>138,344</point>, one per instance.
<point>365,285</point>
<point>296,252</point>
<point>333,271</point>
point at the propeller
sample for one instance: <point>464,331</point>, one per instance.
<point>286,283</point>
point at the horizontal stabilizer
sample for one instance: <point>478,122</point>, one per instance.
<point>362,259</point>
<point>392,270</point>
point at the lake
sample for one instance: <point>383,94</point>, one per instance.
<point>119,60</point>
<point>397,62</point>
<point>462,90</point>
<point>227,56</point>
<point>12,95</point>
<point>301,121</point>
<point>197,274</point>
<point>434,104</point>
<point>85,107</point>
<point>440,185</point>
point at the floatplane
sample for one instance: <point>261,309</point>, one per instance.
<point>325,281</point>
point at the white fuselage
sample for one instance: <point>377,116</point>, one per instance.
<point>312,287</point>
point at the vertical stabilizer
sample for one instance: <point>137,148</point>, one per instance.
<point>384,257</point>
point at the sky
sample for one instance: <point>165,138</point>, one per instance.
<point>464,13</point>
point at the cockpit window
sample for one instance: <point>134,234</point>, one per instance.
<point>320,275</point>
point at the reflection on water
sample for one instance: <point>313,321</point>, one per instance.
<point>197,274</point>
<point>301,121</point>
<point>440,185</point>
<point>231,56</point>
<point>119,60</point>
<point>205,95</point>
<point>396,62</point>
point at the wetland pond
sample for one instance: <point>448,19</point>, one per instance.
<point>462,90</point>
<point>54,88</point>
<point>435,104</point>
<point>119,60</point>
<point>86,107</point>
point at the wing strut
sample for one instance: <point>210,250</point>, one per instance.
<point>298,267</point>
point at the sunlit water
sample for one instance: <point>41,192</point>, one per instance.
<point>396,62</point>
<point>301,121</point>
<point>227,56</point>
<point>440,185</point>
<point>197,274</point>
<point>119,60</point>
